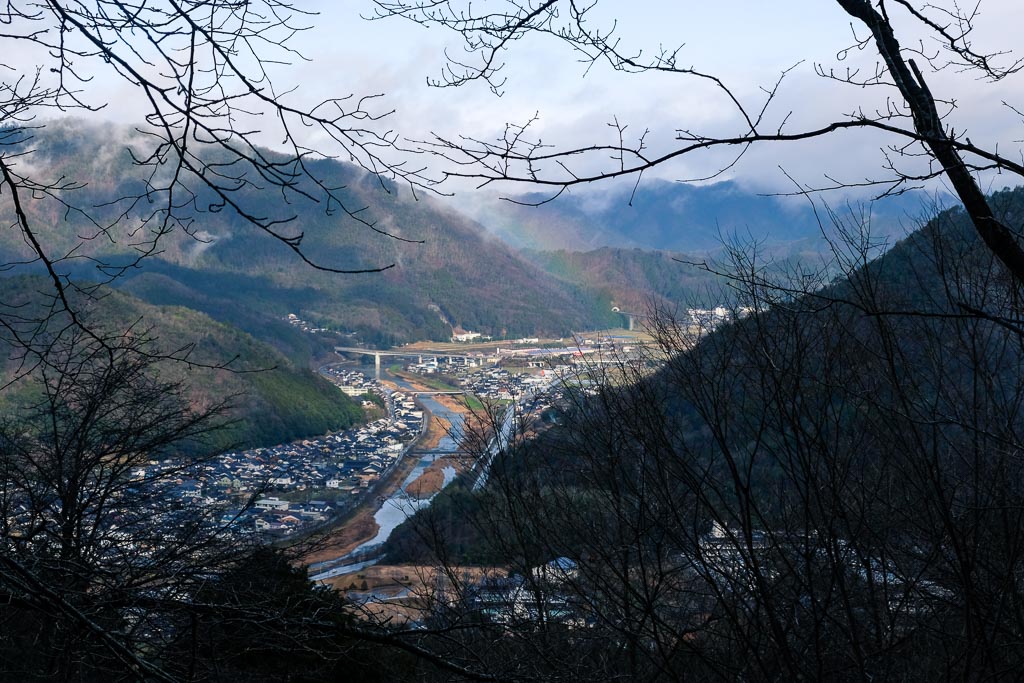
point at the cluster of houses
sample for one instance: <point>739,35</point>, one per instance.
<point>544,594</point>
<point>280,489</point>
<point>303,325</point>
<point>710,318</point>
<point>485,382</point>
<point>352,382</point>
<point>501,385</point>
<point>449,365</point>
<point>720,568</point>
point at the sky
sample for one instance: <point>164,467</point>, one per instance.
<point>748,43</point>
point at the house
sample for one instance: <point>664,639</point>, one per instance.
<point>271,503</point>
<point>191,490</point>
<point>557,571</point>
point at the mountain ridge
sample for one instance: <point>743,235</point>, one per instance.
<point>680,217</point>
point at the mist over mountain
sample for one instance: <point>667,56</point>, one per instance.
<point>441,269</point>
<point>680,217</point>
<point>544,270</point>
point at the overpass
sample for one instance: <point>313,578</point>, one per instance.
<point>399,353</point>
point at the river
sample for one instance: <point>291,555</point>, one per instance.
<point>400,505</point>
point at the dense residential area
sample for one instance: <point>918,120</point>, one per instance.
<point>282,489</point>
<point>279,490</point>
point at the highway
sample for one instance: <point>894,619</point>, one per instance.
<point>430,353</point>
<point>503,438</point>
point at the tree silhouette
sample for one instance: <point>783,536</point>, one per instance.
<point>826,487</point>
<point>98,559</point>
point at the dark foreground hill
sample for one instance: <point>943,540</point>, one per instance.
<point>829,487</point>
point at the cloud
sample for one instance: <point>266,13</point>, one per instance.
<point>746,43</point>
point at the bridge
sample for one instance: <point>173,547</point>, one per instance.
<point>456,392</point>
<point>437,453</point>
<point>399,353</point>
<point>631,318</point>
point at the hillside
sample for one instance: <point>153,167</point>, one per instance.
<point>272,400</point>
<point>634,279</point>
<point>679,217</point>
<point>451,273</point>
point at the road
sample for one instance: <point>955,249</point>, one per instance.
<point>503,438</point>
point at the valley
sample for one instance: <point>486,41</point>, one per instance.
<point>438,440</point>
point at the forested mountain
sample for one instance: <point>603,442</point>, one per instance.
<point>447,271</point>
<point>680,217</point>
<point>450,272</point>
